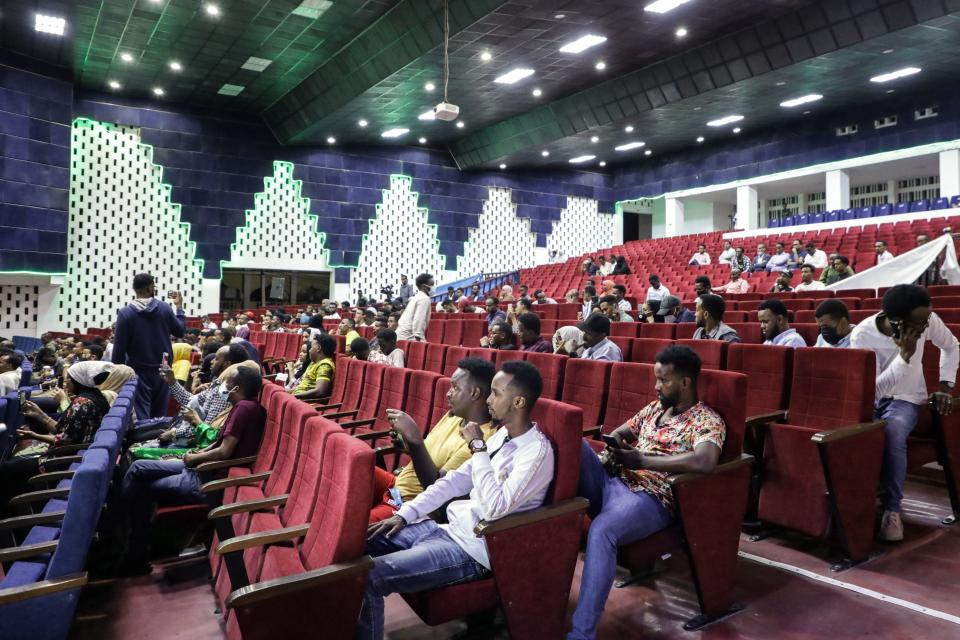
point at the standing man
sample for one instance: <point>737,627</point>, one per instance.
<point>142,340</point>
<point>897,335</point>
<point>406,290</point>
<point>883,254</point>
<point>416,315</point>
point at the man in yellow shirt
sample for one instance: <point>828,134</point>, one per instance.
<point>348,328</point>
<point>317,380</point>
<point>443,449</point>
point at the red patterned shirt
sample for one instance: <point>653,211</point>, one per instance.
<point>675,435</point>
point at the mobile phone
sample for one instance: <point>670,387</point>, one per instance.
<point>22,397</point>
<point>166,359</point>
<point>171,294</point>
<point>610,441</point>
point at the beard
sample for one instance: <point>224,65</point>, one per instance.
<point>667,401</point>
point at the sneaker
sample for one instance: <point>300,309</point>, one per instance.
<point>891,527</point>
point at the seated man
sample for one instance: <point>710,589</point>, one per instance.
<point>595,330</point>
<point>656,291</point>
<point>702,286</point>
<point>388,353</point>
<point>672,311</point>
<point>443,450</point>
<point>508,474</point>
<point>736,284</point>
<point>630,498</point>
<point>779,260</point>
<point>709,317</point>
<point>620,293</point>
<point>701,257</point>
<point>10,373</point>
<point>494,312</point>
<point>774,327</point>
<point>728,254</point>
<point>815,257</point>
<point>807,283</point>
<point>883,254</point>
<point>759,262</point>
<point>530,338</point>
<point>175,482</point>
<point>833,319</point>
<point>500,337</point>
<point>610,308</point>
<point>347,328</point>
<point>782,285</point>
<point>317,380</point>
<point>838,270</point>
<point>741,261</point>
<point>360,349</point>
<point>542,298</point>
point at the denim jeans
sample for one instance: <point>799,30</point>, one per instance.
<point>620,516</point>
<point>901,417</point>
<point>149,482</point>
<point>152,394</point>
<point>420,556</point>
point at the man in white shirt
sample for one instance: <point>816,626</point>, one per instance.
<point>774,328</point>
<point>508,474</point>
<point>589,299</point>
<point>728,254</point>
<point>595,330</point>
<point>607,267</point>
<point>897,336</point>
<point>778,261</point>
<point>10,373</point>
<point>330,311</point>
<point>883,255</point>
<point>816,257</point>
<point>833,320</point>
<point>807,283</point>
<point>416,315</point>
<point>656,292</point>
<point>620,291</point>
<point>701,257</point>
<point>736,284</point>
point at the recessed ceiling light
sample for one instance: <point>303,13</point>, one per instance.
<point>648,152</point>
<point>157,91</point>
<point>628,128</point>
<point>176,66</point>
<point>630,145</point>
<point>395,133</point>
<point>114,84</point>
<point>537,93</point>
<point>663,6</point>
<point>212,10</point>
<point>700,138</point>
<point>737,129</point>
<point>806,113</point>
<point>560,16</point>
<point>696,108</point>
<point>312,9</point>
<point>781,84</point>
<point>331,140</point>
<point>796,102</point>
<point>254,63</point>
<point>719,122</point>
<point>595,139</point>
<point>427,115</point>
<point>126,57</point>
<point>230,90</point>
<point>888,51</point>
<point>582,43</point>
<point>579,159</point>
<point>603,163</point>
<point>486,56</point>
<point>49,24</point>
<point>503,166</point>
<point>600,66</point>
<point>461,124</point>
<point>429,86</point>
<point>362,123</point>
<point>896,75</point>
<point>891,90</point>
<point>422,140</point>
<point>514,75</point>
<point>682,32</point>
<point>545,153</point>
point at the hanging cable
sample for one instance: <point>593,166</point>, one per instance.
<point>446,47</point>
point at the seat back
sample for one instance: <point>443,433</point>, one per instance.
<point>625,329</point>
<point>585,384</point>
<point>338,390</point>
<point>561,423</point>
<point>473,330</point>
<point>505,355</point>
<point>483,353</point>
<point>453,333</point>
<point>832,388</point>
<point>646,349</point>
<point>713,353</point>
<point>276,413</point>
<point>393,394</point>
<point>299,507</point>
<point>354,384</point>
<point>632,387</point>
<point>454,355</point>
<point>372,384</point>
<point>661,331</point>
<point>420,394</point>
<point>768,369</point>
<point>624,343</point>
<point>435,329</point>
<point>288,447</point>
<point>551,367</point>
<point>435,355</point>
<point>749,332</point>
<point>440,405</point>
<point>809,331</point>
<point>414,352</point>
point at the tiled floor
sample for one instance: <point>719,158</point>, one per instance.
<point>924,571</point>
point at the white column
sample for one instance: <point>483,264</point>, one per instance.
<point>673,223</point>
<point>838,190</point>
<point>748,208</point>
<point>209,297</point>
<point>949,173</point>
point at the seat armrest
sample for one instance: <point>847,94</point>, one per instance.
<point>593,432</point>
<point>22,522</point>
<point>53,476</point>
<point>764,419</point>
<point>353,424</point>
<point>248,506</point>
<point>66,449</point>
<point>27,551</point>
<point>225,464</point>
<point>239,543</point>
<point>42,588</point>
<point>372,435</point>
<point>324,407</point>
<point>63,461</point>
<point>239,481</point>
<point>286,585</point>
<point>826,437</point>
<point>485,528</point>
<point>727,467</point>
<point>36,496</point>
<point>342,414</point>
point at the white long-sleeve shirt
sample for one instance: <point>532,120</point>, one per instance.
<point>657,294</point>
<point>726,256</point>
<point>886,256</point>
<point>413,322</point>
<point>510,477</point>
<point>818,259</point>
<point>897,378</point>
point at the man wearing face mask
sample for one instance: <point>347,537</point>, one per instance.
<point>774,327</point>
<point>898,334</point>
<point>630,498</point>
<point>672,311</point>
<point>833,319</point>
<point>175,482</point>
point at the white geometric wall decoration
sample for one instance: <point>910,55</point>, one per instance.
<point>19,306</point>
<point>279,230</point>
<point>399,240</point>
<point>581,229</point>
<point>501,241</point>
<point>122,222</point>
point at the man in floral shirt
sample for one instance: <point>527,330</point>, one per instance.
<point>627,485</point>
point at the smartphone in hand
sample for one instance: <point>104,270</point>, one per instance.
<point>610,441</point>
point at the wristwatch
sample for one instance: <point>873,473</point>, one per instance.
<point>477,445</point>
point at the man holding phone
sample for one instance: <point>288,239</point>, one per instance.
<point>630,498</point>
<point>897,336</point>
<point>142,338</point>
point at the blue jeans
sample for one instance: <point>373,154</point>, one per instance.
<point>620,516</point>
<point>161,482</point>
<point>901,417</point>
<point>421,556</point>
<point>152,394</point>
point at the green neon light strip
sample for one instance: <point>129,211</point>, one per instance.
<point>32,273</point>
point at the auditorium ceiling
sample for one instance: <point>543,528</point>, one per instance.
<point>344,72</point>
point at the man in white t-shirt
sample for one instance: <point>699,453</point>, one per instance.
<point>883,254</point>
<point>656,291</point>
<point>807,283</point>
<point>816,257</point>
<point>728,253</point>
<point>10,373</point>
<point>701,257</point>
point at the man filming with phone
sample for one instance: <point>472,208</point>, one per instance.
<point>897,336</point>
<point>142,341</point>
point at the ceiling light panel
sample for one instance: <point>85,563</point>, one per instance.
<point>312,9</point>
<point>796,102</point>
<point>49,24</point>
<point>896,75</point>
<point>514,76</point>
<point>427,115</point>
<point>582,44</point>
<point>630,145</point>
<point>256,64</point>
<point>395,133</point>
<point>580,159</point>
<point>230,90</point>
<point>664,6</point>
<point>720,122</point>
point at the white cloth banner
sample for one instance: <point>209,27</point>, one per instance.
<point>907,267</point>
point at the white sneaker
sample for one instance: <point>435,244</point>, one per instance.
<point>891,527</point>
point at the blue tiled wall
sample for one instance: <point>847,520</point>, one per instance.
<point>34,170</point>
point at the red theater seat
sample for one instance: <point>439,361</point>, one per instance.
<point>436,354</point>
<point>662,331</point>
<point>646,349</point>
<point>749,332</point>
<point>414,353</point>
<point>454,355</point>
<point>713,353</point>
<point>585,384</point>
<point>473,330</point>
<point>453,333</point>
<point>551,367</point>
<point>505,355</point>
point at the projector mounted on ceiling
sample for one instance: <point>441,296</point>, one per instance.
<point>446,111</point>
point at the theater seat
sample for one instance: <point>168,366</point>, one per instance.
<point>551,367</point>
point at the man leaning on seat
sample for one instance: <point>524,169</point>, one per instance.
<point>509,474</point>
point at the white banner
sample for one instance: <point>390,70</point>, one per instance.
<point>907,267</point>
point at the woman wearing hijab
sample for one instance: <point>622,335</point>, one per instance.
<point>121,375</point>
<point>506,293</point>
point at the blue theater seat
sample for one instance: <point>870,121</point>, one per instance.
<point>940,203</point>
<point>788,222</point>
<point>773,224</point>
<point>919,205</point>
<point>834,215</point>
<point>902,207</point>
<point>803,218</point>
<point>884,210</point>
<point>954,201</point>
<point>864,212</point>
<point>818,218</point>
<point>848,214</point>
